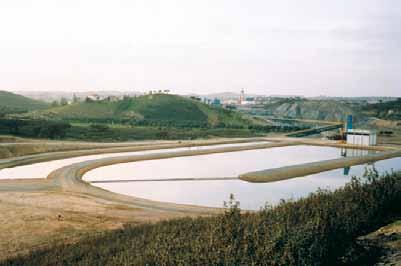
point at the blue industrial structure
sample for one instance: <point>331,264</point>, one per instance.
<point>349,122</point>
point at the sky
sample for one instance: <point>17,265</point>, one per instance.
<point>309,47</point>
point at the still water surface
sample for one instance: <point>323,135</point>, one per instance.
<point>42,170</point>
<point>213,193</point>
<point>229,164</point>
<point>252,196</point>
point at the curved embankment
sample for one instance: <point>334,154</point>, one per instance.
<point>69,178</point>
<point>130,147</point>
<point>8,150</point>
<point>287,172</point>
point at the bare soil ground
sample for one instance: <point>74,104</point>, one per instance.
<point>32,220</point>
<point>383,126</point>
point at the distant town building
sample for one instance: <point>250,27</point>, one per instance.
<point>93,98</point>
<point>230,102</point>
<point>207,101</point>
<point>248,101</point>
<point>195,98</point>
<point>216,102</point>
<point>158,92</point>
<point>245,100</point>
<point>261,100</point>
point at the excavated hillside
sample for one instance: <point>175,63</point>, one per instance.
<point>312,109</point>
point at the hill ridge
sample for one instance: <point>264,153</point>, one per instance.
<point>15,103</point>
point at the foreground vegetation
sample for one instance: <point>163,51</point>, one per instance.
<point>318,230</point>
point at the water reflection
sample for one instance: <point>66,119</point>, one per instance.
<point>251,195</point>
<point>230,164</point>
<point>42,170</point>
<point>354,153</point>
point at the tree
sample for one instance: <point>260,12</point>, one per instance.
<point>75,99</point>
<point>55,104</point>
<point>52,130</point>
<point>63,101</point>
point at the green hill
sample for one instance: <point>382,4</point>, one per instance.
<point>14,103</point>
<point>148,109</point>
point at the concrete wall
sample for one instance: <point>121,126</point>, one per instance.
<point>362,140</point>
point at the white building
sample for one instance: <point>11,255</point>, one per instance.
<point>230,101</point>
<point>361,137</point>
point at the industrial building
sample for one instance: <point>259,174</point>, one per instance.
<point>361,137</point>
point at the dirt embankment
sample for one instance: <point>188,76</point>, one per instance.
<point>21,147</point>
<point>288,172</point>
<point>115,148</point>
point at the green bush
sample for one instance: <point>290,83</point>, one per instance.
<point>34,128</point>
<point>317,230</point>
<point>99,127</point>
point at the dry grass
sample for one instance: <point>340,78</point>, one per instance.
<point>30,220</point>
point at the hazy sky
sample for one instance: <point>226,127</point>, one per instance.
<point>341,47</point>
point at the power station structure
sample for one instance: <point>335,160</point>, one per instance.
<point>360,137</point>
<point>241,97</point>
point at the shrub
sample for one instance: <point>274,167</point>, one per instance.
<point>99,127</point>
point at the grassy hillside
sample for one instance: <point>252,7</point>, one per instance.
<point>386,110</point>
<point>318,230</point>
<point>14,103</point>
<point>328,110</point>
<point>150,109</point>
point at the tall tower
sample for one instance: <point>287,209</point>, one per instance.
<point>349,122</point>
<point>241,97</point>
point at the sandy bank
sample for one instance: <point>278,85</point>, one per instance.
<point>287,172</point>
<point>115,148</point>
